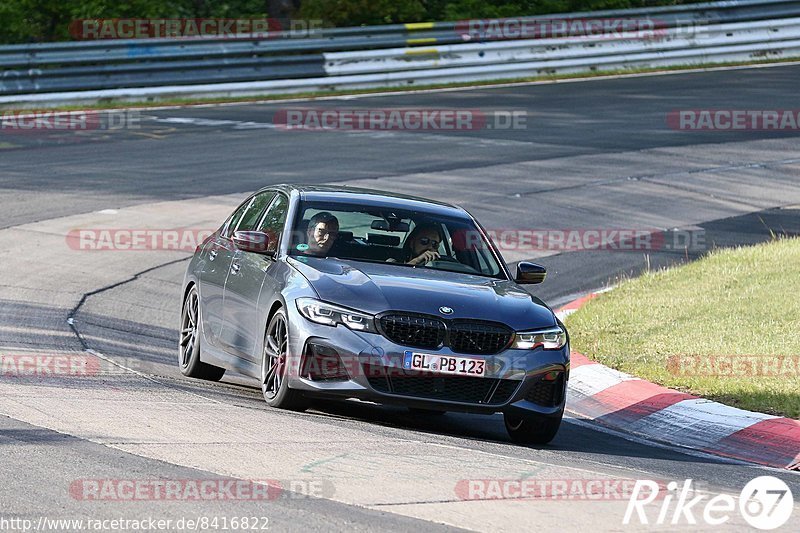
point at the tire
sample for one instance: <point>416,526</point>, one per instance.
<point>274,367</point>
<point>189,342</point>
<point>532,428</point>
<point>426,412</point>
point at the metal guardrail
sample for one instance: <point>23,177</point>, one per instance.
<point>403,54</point>
<point>760,33</point>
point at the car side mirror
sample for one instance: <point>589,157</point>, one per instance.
<point>252,241</point>
<point>530,273</point>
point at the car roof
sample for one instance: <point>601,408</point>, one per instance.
<point>368,198</point>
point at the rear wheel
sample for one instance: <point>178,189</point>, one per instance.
<point>532,428</point>
<point>275,366</point>
<point>189,342</point>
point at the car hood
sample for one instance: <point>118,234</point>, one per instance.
<point>377,287</point>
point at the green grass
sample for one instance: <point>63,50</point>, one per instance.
<point>122,104</point>
<point>734,302</point>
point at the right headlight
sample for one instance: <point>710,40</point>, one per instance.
<point>333,315</point>
<point>549,339</point>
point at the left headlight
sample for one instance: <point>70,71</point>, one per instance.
<point>333,315</point>
<point>549,339</point>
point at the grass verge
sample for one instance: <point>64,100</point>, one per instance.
<point>726,327</point>
<point>189,101</point>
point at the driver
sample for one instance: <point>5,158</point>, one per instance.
<point>323,229</point>
<point>422,244</point>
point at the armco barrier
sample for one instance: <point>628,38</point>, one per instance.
<point>779,32</point>
<point>393,55</point>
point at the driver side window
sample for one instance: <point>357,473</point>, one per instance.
<point>246,216</point>
<point>234,219</point>
<point>254,210</point>
<point>274,220</point>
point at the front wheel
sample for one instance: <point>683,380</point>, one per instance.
<point>275,367</point>
<point>189,343</point>
<point>532,428</point>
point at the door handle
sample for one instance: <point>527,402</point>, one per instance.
<point>212,255</point>
<point>235,268</point>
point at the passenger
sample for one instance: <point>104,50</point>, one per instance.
<point>422,244</point>
<point>323,230</point>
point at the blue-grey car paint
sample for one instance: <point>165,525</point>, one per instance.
<point>371,288</point>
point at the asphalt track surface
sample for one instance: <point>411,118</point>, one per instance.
<point>595,154</point>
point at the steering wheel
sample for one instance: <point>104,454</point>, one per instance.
<point>451,264</point>
<point>442,259</point>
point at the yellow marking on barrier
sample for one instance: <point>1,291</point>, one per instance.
<point>427,40</point>
<point>5,145</point>
<point>413,26</point>
<point>422,51</point>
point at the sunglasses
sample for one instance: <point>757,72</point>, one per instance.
<point>425,241</point>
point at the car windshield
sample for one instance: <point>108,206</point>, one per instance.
<point>388,235</point>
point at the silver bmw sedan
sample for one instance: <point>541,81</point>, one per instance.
<point>341,292</point>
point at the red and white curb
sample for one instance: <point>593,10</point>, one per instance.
<point>632,405</point>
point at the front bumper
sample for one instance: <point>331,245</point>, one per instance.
<point>370,367</point>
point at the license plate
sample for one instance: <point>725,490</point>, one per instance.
<point>444,364</point>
